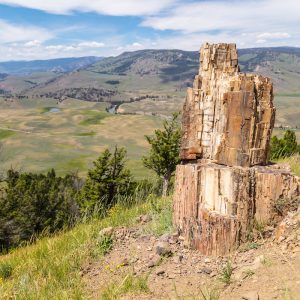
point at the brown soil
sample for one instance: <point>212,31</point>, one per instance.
<point>271,271</point>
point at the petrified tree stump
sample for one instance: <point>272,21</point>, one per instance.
<point>222,184</point>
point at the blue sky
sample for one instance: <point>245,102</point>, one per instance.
<point>41,29</point>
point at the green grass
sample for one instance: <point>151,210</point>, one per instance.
<point>5,270</point>
<point>60,141</point>
<point>293,162</point>
<point>89,133</point>
<point>95,117</point>
<point>226,273</point>
<point>50,268</point>
<point>104,244</point>
<point>46,109</point>
<point>129,284</point>
<point>209,294</point>
<point>4,133</point>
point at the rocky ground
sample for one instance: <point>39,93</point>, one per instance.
<point>266,268</point>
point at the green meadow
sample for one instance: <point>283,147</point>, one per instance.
<point>39,134</point>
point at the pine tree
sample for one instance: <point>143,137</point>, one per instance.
<point>164,152</point>
<point>106,180</point>
<point>285,147</point>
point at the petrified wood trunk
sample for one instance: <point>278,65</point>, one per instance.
<point>222,186</point>
<point>228,116</point>
<point>215,205</point>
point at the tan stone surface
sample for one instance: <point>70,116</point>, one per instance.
<point>223,186</point>
<point>215,205</point>
<point>228,116</point>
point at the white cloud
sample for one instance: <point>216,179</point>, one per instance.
<point>91,44</point>
<point>37,50</point>
<point>33,43</point>
<point>260,41</point>
<point>137,45</point>
<point>114,8</point>
<point>274,35</point>
<point>252,15</point>
<point>247,23</point>
<point>16,33</point>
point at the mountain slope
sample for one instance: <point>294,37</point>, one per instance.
<point>163,75</point>
<point>177,68</point>
<point>50,65</point>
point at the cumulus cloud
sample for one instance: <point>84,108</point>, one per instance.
<point>137,45</point>
<point>177,24</point>
<point>16,33</point>
<point>221,15</point>
<point>91,44</point>
<point>113,8</point>
<point>33,43</point>
<point>267,22</point>
<point>36,49</point>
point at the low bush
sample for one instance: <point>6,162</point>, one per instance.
<point>285,147</point>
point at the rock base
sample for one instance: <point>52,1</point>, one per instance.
<point>215,205</point>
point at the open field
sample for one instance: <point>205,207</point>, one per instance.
<point>35,136</point>
<point>39,134</point>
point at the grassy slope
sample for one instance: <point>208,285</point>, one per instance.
<point>50,269</point>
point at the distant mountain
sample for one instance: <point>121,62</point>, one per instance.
<point>169,65</point>
<point>51,65</point>
<point>3,76</point>
<point>148,81</point>
<point>282,64</point>
<point>147,70</point>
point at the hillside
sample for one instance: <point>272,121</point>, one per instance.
<point>164,74</point>
<point>50,65</point>
<point>177,68</point>
<point>88,262</point>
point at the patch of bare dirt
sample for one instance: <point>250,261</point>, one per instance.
<point>271,270</point>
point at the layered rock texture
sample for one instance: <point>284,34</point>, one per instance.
<point>228,116</point>
<point>223,185</point>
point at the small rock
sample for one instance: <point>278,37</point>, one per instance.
<point>207,260</point>
<point>253,295</point>
<point>160,272</point>
<point>258,262</point>
<point>175,235</point>
<point>151,264</point>
<point>178,259</point>
<point>108,231</point>
<point>164,238</point>
<point>186,244</point>
<point>155,261</point>
<point>163,249</point>
<point>206,271</point>
<point>146,218</point>
<point>134,260</point>
<point>181,238</point>
<point>213,274</point>
<point>171,276</point>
